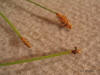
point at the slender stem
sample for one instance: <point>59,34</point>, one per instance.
<point>11,25</point>
<point>41,6</point>
<point>34,59</point>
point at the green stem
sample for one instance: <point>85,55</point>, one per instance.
<point>34,59</point>
<point>41,6</point>
<point>11,25</point>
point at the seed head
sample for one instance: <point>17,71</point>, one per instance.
<point>63,19</point>
<point>76,51</point>
<point>26,42</point>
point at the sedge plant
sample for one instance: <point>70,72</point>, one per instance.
<point>25,41</point>
<point>63,19</point>
<point>75,51</point>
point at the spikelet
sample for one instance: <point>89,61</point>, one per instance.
<point>63,19</point>
<point>26,42</point>
<point>76,51</point>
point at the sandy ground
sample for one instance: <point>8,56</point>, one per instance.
<point>42,29</point>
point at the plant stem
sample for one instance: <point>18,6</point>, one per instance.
<point>11,25</point>
<point>63,19</point>
<point>25,41</point>
<point>41,6</point>
<point>36,58</point>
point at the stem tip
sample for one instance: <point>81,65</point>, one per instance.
<point>76,51</point>
<point>26,42</point>
<point>63,19</point>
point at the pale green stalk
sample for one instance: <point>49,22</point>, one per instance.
<point>35,58</point>
<point>10,24</point>
<point>31,1</point>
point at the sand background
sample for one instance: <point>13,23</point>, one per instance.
<point>42,29</point>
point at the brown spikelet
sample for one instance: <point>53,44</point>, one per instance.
<point>76,51</point>
<point>63,19</point>
<point>26,42</point>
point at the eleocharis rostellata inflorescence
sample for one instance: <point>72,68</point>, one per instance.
<point>63,19</point>
<point>25,41</point>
